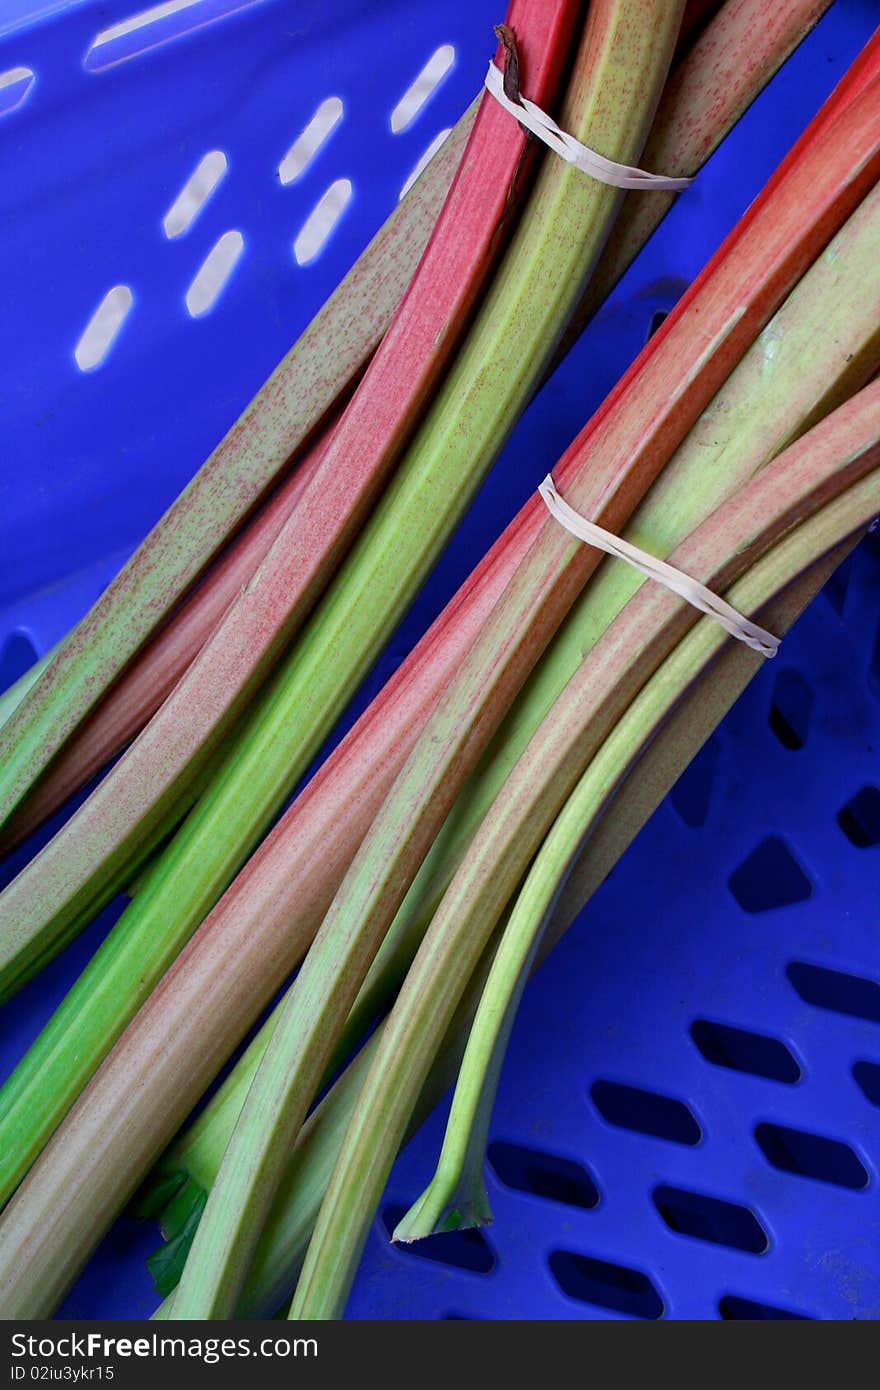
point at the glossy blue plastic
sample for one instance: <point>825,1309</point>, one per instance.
<point>688,1121</point>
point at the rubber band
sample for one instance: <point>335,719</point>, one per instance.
<point>568,148</point>
<point>682,584</point>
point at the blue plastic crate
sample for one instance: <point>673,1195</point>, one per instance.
<point>688,1120</point>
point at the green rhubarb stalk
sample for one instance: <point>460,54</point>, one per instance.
<point>705,336</point>
<point>674,747</point>
<point>798,383</point>
<point>282,1245</point>
<point>747,534</point>
<point>623,62</point>
<point>194,1159</point>
<point>141,799</point>
<point>191,1166</point>
<point>365,905</point>
<point>731,61</point>
<point>456,1196</point>
<point>820,347</point>
<point>24,1102</point>
<point>317,371</point>
<point>299,1197</point>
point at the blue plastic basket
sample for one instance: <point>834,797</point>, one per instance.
<point>688,1120</point>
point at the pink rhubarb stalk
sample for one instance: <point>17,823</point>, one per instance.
<point>610,469</point>
<point>315,375</point>
<point>140,799</point>
<point>269,914</point>
<point>162,661</point>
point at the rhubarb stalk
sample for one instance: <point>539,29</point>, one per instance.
<point>130,811</point>
<point>299,394</point>
<point>386,740</point>
<point>556,244</point>
<point>591,733</point>
<point>820,346</point>
<point>163,659</point>
<point>701,341</point>
<point>441,970</point>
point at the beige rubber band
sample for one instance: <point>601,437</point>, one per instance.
<point>568,148</point>
<point>682,584</point>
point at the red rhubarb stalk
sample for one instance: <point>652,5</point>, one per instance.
<point>137,803</point>
<point>266,946</point>
<point>268,916</point>
<point>731,61</point>
<point>314,376</point>
<point>611,468</point>
<point>162,661</point>
<point>271,912</point>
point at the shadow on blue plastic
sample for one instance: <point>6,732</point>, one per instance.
<point>468,1250</point>
<point>867,1078</point>
<point>610,1286</point>
<point>147,28</point>
<point>17,655</point>
<point>874,671</point>
<point>645,1112</point>
<point>791,709</point>
<point>710,1219</point>
<point>769,878</point>
<point>544,1175</point>
<point>835,990</point>
<point>735,1309</point>
<point>835,590</point>
<point>692,794</point>
<point>860,818</point>
<point>738,1049</point>
<point>655,322</point>
<point>811,1156</point>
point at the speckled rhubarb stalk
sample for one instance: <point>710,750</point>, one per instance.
<point>821,346</point>
<point>306,385</point>
<point>591,726</point>
<point>159,665</point>
<point>731,61</point>
<point>195,1161</point>
<point>385,1100</point>
<point>271,912</point>
<point>508,346</point>
<point>618,78</point>
<point>137,803</point>
<point>701,342</point>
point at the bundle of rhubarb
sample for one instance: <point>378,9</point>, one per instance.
<point>407,891</point>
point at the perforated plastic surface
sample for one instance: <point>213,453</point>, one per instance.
<point>688,1120</point>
